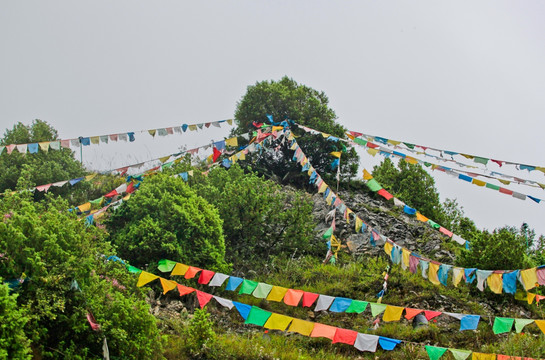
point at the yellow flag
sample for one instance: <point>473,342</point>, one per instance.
<point>421,217</point>
<point>481,356</point>
<point>531,298</point>
<point>277,128</point>
<point>322,188</point>
<point>392,313</point>
<point>90,177</point>
<point>325,135</point>
<point>277,293</point>
<point>394,142</point>
<point>167,285</point>
<point>190,173</point>
<point>367,175</point>
<point>388,248</point>
<point>411,160</point>
<point>337,154</point>
<point>230,121</point>
<point>359,224</point>
<point>432,274</point>
<point>478,182</point>
<point>540,324</point>
<point>347,218</point>
<point>231,142</point>
<point>85,207</point>
<point>145,277</point>
<point>372,152</point>
<point>350,136</point>
<point>152,132</point>
<point>192,127</point>
<point>179,269</point>
<point>495,283</point>
<point>95,140</point>
<point>329,198</point>
<point>302,327</point>
<point>164,158</point>
<point>529,278</point>
<point>278,322</point>
<point>44,145</point>
<point>242,155</point>
<point>505,182</point>
<point>406,255</point>
<point>458,274</point>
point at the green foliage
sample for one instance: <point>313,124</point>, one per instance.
<point>199,333</point>
<point>45,167</point>
<point>413,185</point>
<point>504,248</point>
<point>166,219</point>
<point>13,342</point>
<point>260,219</point>
<point>47,246</point>
<point>286,99</point>
<point>456,221</point>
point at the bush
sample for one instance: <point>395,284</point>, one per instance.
<point>13,341</point>
<point>51,250</point>
<point>260,219</point>
<point>165,219</point>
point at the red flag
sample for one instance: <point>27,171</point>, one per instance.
<point>203,298</point>
<point>216,154</point>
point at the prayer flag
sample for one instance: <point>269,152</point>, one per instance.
<point>431,314</point>
<point>392,313</point>
<point>278,322</point>
<point>179,269</point>
<point>233,283</point>
<point>481,356</point>
<point>435,352</point>
<point>340,304</point>
<point>365,342</point>
<point>411,313</point>
<point>258,316</point>
<point>292,297</point>
<point>145,277</point>
<point>356,306</point>
<point>521,323</point>
<point>243,309</point>
<point>203,298</point>
<point>373,185</point>
<point>191,272</point>
<point>184,290</point>
<point>510,282</point>
<point>167,285</point>
<point>248,286</point>
<point>495,283</point>
<point>277,293</point>
<point>460,354</point>
<point>218,279</point>
<point>205,277</point>
<point>262,290</point>
<point>502,325</point>
<point>323,303</point>
<point>377,309</point>
<point>321,330</point>
<point>529,278</point>
<point>302,327</point>
<point>345,336</point>
<point>469,322</point>
<point>541,325</point>
<point>433,268</point>
<point>387,343</point>
<point>165,265</point>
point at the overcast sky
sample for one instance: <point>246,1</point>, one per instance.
<point>466,76</point>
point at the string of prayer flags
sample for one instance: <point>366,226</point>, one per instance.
<point>293,297</point>
<point>364,342</point>
<point>32,148</point>
<point>475,158</point>
<point>374,149</point>
<point>374,186</point>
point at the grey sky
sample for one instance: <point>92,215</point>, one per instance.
<point>466,76</point>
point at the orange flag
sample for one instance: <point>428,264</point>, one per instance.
<point>167,285</point>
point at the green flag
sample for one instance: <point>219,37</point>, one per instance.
<point>460,354</point>
<point>262,290</point>
<point>166,265</point>
<point>433,224</point>
<point>360,141</point>
<point>97,201</point>
<point>480,160</point>
<point>521,323</point>
<point>492,186</point>
<point>328,233</point>
<point>409,145</point>
<point>257,316</point>
<point>377,308</point>
<point>248,286</point>
<point>502,325</point>
<point>357,306</point>
<point>373,185</point>
<point>133,270</point>
<point>435,352</point>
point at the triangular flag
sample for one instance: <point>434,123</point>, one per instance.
<point>191,272</point>
<point>435,352</point>
<point>184,290</point>
<point>431,314</point>
<point>541,325</point>
<point>460,354</point>
<point>203,298</point>
<point>205,277</point>
<point>165,265</point>
<point>145,277</point>
<point>410,313</point>
<point>179,269</point>
<point>377,309</point>
<point>521,323</point>
<point>502,325</point>
<point>167,285</point>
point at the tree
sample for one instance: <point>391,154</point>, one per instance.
<point>165,219</point>
<point>260,218</point>
<point>413,185</point>
<point>47,167</point>
<point>504,248</point>
<point>59,266</point>
<point>13,341</point>
<point>456,221</point>
<point>288,100</point>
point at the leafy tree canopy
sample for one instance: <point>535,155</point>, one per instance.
<point>43,167</point>
<point>286,99</point>
<point>260,218</point>
<point>413,185</point>
<point>504,248</point>
<point>46,251</point>
<point>166,219</point>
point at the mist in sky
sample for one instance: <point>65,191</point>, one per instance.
<point>464,76</point>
